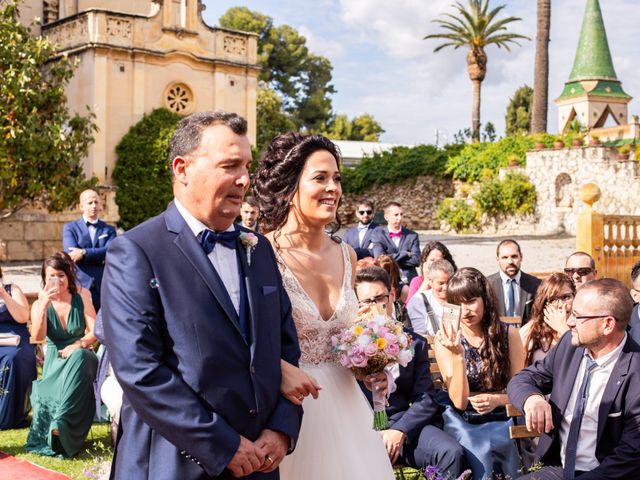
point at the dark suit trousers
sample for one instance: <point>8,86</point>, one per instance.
<point>437,448</point>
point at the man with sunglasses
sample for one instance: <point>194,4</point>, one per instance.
<point>359,237</point>
<point>581,267</point>
<point>590,424</point>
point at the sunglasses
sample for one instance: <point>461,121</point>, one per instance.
<point>363,212</point>
<point>580,271</point>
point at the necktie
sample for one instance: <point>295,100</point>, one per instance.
<point>576,421</point>
<point>209,238</point>
<point>511,298</point>
<point>395,234</point>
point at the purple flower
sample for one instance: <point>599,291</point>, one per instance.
<point>358,357</point>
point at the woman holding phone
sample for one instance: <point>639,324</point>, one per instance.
<point>478,355</point>
<point>63,401</point>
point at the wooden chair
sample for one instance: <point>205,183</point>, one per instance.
<point>517,432</point>
<point>434,368</point>
<point>515,322</point>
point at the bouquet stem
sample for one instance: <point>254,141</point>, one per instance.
<point>380,419</point>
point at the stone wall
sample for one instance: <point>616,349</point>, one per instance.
<point>558,175</point>
<point>419,198</point>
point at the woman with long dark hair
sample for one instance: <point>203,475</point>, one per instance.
<point>298,187</point>
<point>477,359</point>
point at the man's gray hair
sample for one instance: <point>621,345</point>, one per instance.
<point>188,134</point>
<point>440,265</point>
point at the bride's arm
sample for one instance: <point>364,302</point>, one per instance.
<point>296,384</point>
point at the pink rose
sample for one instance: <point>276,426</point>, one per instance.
<point>370,350</point>
<point>382,332</point>
<point>345,361</point>
<point>358,357</point>
<point>392,349</point>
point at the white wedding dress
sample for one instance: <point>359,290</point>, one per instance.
<point>337,440</point>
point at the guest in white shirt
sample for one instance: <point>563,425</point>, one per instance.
<point>425,308</point>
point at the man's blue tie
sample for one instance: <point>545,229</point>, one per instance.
<point>576,420</point>
<point>208,239</point>
<point>511,299</point>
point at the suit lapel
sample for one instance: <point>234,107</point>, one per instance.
<point>499,292</point>
<point>391,247</point>
<point>85,237</point>
<point>403,238</point>
<point>572,374</point>
<point>524,296</point>
<point>616,380</point>
<point>246,276</point>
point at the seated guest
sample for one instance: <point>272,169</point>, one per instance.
<point>431,252</point>
<point>397,286</point>
<point>634,322</point>
<point>476,361</point>
<point>62,400</point>
<point>400,243</point>
<point>359,237</point>
<point>249,213</point>
<point>590,424</point>
<point>413,437</point>
<point>17,356</point>
<point>581,267</point>
<point>425,308</point>
<point>514,290</point>
<point>548,321</point>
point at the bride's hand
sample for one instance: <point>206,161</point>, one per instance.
<point>296,384</point>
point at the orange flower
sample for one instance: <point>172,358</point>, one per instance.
<point>381,343</point>
<point>357,330</point>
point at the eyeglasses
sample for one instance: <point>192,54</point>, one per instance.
<point>567,297</point>
<point>582,271</point>
<point>365,212</point>
<point>583,318</point>
<point>377,299</point>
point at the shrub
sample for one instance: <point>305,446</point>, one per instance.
<point>489,197</point>
<point>513,195</point>
<point>458,214</point>
<point>142,170</point>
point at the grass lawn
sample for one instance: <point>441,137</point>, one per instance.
<point>96,450</point>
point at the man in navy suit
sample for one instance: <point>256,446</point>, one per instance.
<point>414,437</point>
<point>196,321</point>
<point>360,236</point>
<point>400,243</point>
<point>634,321</point>
<point>86,241</point>
<point>590,425</point>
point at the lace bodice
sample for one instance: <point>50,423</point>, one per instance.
<point>314,333</point>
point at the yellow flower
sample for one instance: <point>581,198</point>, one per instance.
<point>381,343</point>
<point>358,330</point>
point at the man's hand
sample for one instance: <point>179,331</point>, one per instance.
<point>393,441</point>
<point>537,413</point>
<point>248,458</point>
<point>76,254</point>
<point>274,445</point>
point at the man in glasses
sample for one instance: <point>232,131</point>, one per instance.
<point>590,424</point>
<point>581,267</point>
<point>413,437</point>
<point>359,237</point>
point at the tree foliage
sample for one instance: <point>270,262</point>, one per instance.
<point>42,144</point>
<point>518,117</point>
<point>363,128</point>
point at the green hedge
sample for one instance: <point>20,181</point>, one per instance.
<point>513,195</point>
<point>142,170</point>
<point>458,214</point>
<point>396,165</point>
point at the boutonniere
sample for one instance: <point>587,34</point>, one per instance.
<point>249,241</point>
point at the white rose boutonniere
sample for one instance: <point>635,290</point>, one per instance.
<point>249,241</point>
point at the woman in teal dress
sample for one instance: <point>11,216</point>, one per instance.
<point>62,400</point>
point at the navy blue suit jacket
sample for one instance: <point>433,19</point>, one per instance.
<point>90,268</point>
<point>618,436</point>
<point>192,385</point>
<point>352,237</point>
<point>407,253</point>
<point>634,324</point>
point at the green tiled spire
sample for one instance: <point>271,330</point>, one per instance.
<point>593,58</point>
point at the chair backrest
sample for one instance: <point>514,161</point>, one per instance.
<point>434,368</point>
<point>515,322</point>
<point>518,431</point>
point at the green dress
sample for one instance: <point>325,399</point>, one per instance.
<point>63,398</point>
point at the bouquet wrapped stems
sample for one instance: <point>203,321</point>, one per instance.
<point>380,418</point>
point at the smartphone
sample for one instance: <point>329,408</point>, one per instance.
<point>451,316</point>
<point>53,282</point>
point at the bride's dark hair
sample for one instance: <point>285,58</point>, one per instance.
<point>276,179</point>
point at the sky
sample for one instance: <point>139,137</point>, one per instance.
<point>382,65</point>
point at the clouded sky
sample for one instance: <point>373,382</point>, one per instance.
<point>382,66</point>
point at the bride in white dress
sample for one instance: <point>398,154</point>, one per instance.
<point>298,189</point>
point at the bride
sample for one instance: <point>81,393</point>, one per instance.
<point>298,189</point>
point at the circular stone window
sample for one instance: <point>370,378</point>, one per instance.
<point>179,99</point>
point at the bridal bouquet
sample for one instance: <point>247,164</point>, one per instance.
<point>367,347</point>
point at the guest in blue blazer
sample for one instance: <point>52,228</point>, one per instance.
<point>196,322</point>
<point>414,437</point>
<point>584,396</point>
<point>86,241</point>
<point>400,243</point>
<point>360,236</point>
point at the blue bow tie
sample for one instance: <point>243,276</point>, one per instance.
<point>208,239</point>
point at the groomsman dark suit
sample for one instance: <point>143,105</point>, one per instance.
<point>528,285</point>
<point>199,360</point>
<point>634,323</point>
<point>407,253</point>
<point>86,248</point>
<point>617,440</point>
<point>352,237</point>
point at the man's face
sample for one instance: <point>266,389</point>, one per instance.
<point>90,205</point>
<point>588,319</point>
<point>249,215</point>
<point>509,259</point>
<point>364,214</point>
<point>211,182</point>
<point>375,293</point>
<point>393,216</point>
<point>578,267</point>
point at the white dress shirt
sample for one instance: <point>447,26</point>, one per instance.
<point>223,259</point>
<point>419,314</point>
<point>362,231</point>
<point>396,240</point>
<point>587,438</point>
<point>516,291</point>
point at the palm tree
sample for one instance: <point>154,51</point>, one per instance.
<point>476,27</point>
<point>541,68</point>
